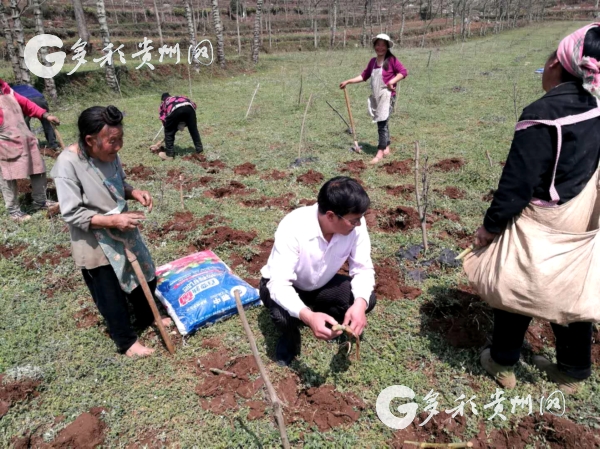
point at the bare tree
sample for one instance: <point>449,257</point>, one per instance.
<point>111,76</point>
<point>219,33</point>
<point>403,20</point>
<point>12,52</point>
<point>20,36</point>
<point>191,32</point>
<point>256,41</point>
<point>82,29</point>
<point>160,35</point>
<point>333,23</point>
<point>363,37</point>
<point>237,25</point>
<point>50,87</point>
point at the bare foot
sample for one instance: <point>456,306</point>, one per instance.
<point>139,350</point>
<point>167,322</point>
<point>378,157</point>
<point>386,152</point>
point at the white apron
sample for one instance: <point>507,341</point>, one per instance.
<point>380,101</point>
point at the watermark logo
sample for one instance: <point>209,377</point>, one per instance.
<point>554,404</point>
<point>201,53</point>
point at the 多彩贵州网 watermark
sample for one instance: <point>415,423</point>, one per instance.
<point>554,404</point>
<point>201,53</point>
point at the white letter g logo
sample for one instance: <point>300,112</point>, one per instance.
<point>383,407</point>
<point>31,55</point>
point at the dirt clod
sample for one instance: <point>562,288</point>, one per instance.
<point>440,213</point>
<point>254,261</point>
<point>275,175</point>
<point>282,202</point>
<point>460,317</point>
<point>195,158</point>
<point>13,392</point>
<point>451,192</point>
<point>447,165</point>
<point>140,173</point>
<point>53,257</point>
<point>213,237</point>
<point>400,218</point>
<point>405,191</point>
<point>8,252</point>
<point>388,284</point>
<point>86,432</point>
<point>245,169</point>
<point>311,177</point>
<point>234,188</point>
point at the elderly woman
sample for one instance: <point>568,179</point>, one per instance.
<point>20,156</point>
<point>554,157</point>
<point>93,196</point>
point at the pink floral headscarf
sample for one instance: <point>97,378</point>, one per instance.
<point>570,55</point>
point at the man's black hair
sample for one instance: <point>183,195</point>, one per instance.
<point>343,195</point>
<point>164,96</point>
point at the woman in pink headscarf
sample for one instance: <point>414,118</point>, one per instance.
<point>20,156</point>
<point>553,157</point>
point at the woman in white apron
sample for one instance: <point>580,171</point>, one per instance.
<point>385,70</point>
<point>20,156</point>
<point>537,255</point>
<point>93,195</point>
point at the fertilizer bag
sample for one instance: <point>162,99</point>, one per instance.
<point>199,289</point>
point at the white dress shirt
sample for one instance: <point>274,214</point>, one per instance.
<point>302,258</point>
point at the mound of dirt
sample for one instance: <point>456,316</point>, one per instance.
<point>275,175</point>
<point>371,219</point>
<point>405,191</point>
<point>353,167</point>
<point>140,173</point>
<point>86,318</point>
<point>388,284</point>
<point>8,252</point>
<point>447,165</point>
<point>440,213</point>
<point>13,392</point>
<point>460,317</point>
<point>234,188</point>
<point>53,257</point>
<point>255,261</point>
<point>311,177</point>
<point>404,167</point>
<point>182,224</point>
<point>462,238</point>
<point>213,237</point>
<point>245,169</point>
<point>400,218</point>
<point>282,202</point>
<point>213,166</point>
<point>441,429</point>
<point>452,192</point>
<point>306,202</point>
<point>195,158</point>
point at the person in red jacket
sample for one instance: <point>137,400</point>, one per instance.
<point>20,156</point>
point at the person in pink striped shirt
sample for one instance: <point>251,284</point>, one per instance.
<point>20,156</point>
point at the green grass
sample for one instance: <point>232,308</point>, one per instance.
<point>80,366</point>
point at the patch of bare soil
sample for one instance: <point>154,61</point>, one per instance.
<point>213,166</point>
<point>540,335</point>
<point>311,177</point>
<point>86,432</point>
<point>440,213</point>
<point>182,223</point>
<point>400,218</point>
<point>195,158</point>
<point>140,173</point>
<point>306,202</point>
<point>59,285</point>
<point>353,167</point>
<point>438,429</point>
<point>454,193</point>
<point>255,261</point>
<point>86,317</point>
<point>275,175</point>
<point>8,252</point>
<point>447,165</point>
<point>404,167</point>
<point>234,188</point>
<point>388,284</point>
<point>13,392</point>
<point>371,219</point>
<point>462,238</point>
<point>405,191</point>
<point>53,257</point>
<point>460,317</point>
<point>245,169</point>
<point>282,202</point>
<point>213,237</point>
<point>488,197</point>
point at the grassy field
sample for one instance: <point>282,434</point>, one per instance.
<point>458,102</point>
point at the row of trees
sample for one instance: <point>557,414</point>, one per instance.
<point>373,16</point>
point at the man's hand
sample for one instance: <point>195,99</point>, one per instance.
<point>356,316</point>
<point>125,221</point>
<point>317,321</point>
<point>143,197</point>
<point>53,119</point>
<point>483,237</point>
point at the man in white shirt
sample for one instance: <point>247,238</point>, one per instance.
<point>300,281</point>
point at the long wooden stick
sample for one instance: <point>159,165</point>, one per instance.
<point>440,445</point>
<point>420,207</point>
<point>336,111</point>
<point>159,131</point>
<point>250,105</point>
<point>356,147</point>
<point>142,280</point>
<point>277,406</point>
<point>59,137</point>
<point>302,129</point>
